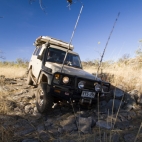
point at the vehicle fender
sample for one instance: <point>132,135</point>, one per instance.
<point>44,77</point>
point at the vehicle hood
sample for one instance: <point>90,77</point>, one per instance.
<point>70,70</point>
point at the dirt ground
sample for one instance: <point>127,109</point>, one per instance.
<point>21,122</point>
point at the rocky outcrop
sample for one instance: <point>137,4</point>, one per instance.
<point>117,119</point>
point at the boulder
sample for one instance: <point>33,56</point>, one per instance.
<point>118,93</point>
<point>114,105</point>
<point>103,124</point>
<point>129,137</point>
<point>85,124</point>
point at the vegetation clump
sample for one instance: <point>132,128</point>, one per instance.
<point>13,69</point>
<point>125,72</point>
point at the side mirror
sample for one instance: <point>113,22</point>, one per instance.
<point>39,57</point>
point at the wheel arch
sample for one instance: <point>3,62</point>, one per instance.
<point>30,67</point>
<point>42,77</point>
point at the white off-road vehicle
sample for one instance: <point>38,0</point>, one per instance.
<point>58,73</point>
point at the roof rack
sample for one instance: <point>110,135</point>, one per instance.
<point>46,39</point>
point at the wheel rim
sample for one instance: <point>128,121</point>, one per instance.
<point>40,98</point>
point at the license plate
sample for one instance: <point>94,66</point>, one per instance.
<point>88,94</point>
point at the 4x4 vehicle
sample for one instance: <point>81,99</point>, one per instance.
<point>58,73</point>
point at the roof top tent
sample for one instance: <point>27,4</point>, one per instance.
<point>46,39</point>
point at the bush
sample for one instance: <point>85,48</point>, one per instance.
<point>18,63</point>
<point>124,58</point>
<point>138,52</point>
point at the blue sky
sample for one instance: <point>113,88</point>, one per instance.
<point>23,22</point>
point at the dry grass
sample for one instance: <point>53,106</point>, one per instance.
<point>4,109</point>
<point>126,74</point>
<point>12,71</point>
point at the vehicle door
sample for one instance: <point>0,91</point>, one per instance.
<point>37,63</point>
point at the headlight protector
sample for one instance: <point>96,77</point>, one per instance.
<point>81,84</point>
<point>97,87</point>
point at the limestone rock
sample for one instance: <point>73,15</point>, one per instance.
<point>85,124</point>
<point>44,136</point>
<point>30,140</point>
<point>22,127</point>
<point>68,125</point>
<point>103,124</point>
<point>129,137</point>
<point>114,105</point>
<point>118,93</point>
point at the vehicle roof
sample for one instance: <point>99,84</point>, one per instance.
<point>46,39</point>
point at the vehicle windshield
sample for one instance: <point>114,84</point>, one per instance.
<point>57,56</point>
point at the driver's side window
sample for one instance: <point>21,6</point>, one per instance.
<point>49,55</point>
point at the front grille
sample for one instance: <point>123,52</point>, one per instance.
<point>74,80</point>
<point>89,84</point>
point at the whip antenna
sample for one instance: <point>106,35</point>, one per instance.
<point>72,37</point>
<point>107,44</point>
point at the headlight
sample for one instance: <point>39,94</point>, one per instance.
<point>65,79</point>
<point>97,87</point>
<point>81,84</point>
<point>57,76</point>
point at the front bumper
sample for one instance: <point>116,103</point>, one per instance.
<point>71,91</point>
<point>67,94</point>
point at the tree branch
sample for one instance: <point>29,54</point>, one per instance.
<point>43,7</point>
<point>40,4</point>
<point>1,57</point>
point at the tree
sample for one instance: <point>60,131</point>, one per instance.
<point>140,40</point>
<point>139,52</point>
<point>124,58</point>
<point>1,57</point>
<point>70,2</point>
<point>42,7</point>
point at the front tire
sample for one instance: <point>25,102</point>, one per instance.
<point>44,101</point>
